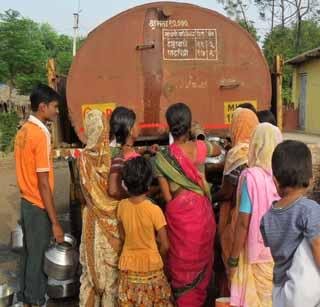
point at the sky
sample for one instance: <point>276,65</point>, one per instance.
<point>59,13</point>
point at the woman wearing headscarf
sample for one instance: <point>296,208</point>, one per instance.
<point>250,263</point>
<point>244,121</point>
<point>101,182</point>
<point>191,224</point>
<point>100,245</point>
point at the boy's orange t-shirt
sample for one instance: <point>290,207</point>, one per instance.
<point>32,155</point>
<point>140,222</point>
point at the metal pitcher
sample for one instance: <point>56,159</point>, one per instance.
<point>16,241</point>
<point>61,260</point>
<point>221,158</point>
<point>6,295</point>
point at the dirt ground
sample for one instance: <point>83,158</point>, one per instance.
<point>10,213</point>
<point>9,196</point>
<point>306,138</point>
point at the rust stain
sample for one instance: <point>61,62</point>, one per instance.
<point>151,60</point>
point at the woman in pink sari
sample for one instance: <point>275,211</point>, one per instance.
<point>250,263</point>
<point>189,214</point>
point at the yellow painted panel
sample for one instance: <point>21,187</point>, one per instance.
<point>230,107</point>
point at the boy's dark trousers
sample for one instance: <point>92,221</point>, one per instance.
<point>36,228</point>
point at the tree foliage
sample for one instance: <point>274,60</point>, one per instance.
<point>25,47</point>
<point>8,128</point>
<point>58,47</point>
<point>275,13</point>
<point>293,28</point>
<point>238,10</point>
<point>282,41</point>
<point>22,55</point>
<point>288,12</point>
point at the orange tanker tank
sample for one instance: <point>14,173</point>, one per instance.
<point>157,54</point>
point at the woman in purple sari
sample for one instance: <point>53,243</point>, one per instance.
<point>189,214</point>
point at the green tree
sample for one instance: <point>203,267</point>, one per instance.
<point>238,10</point>
<point>8,128</point>
<point>58,47</point>
<point>25,47</point>
<point>310,35</point>
<point>279,41</point>
<point>22,54</point>
<point>282,41</point>
<point>288,12</point>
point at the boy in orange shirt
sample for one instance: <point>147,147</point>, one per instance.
<point>34,170</point>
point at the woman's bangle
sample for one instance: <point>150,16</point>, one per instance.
<point>233,262</point>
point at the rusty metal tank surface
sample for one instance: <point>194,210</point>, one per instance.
<point>157,54</point>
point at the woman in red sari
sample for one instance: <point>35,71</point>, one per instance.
<point>189,214</point>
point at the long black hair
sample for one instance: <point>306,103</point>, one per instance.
<point>121,122</point>
<point>179,119</point>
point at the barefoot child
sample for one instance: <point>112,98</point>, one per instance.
<point>142,279</point>
<point>291,221</point>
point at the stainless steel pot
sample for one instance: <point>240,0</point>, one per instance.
<point>216,139</point>
<point>63,289</point>
<point>219,159</point>
<point>16,241</point>
<point>61,260</point>
<point>6,295</point>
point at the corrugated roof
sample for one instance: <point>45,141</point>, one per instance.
<point>306,56</point>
